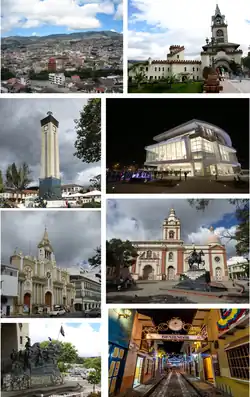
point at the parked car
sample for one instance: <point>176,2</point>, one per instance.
<point>58,311</point>
<point>93,313</point>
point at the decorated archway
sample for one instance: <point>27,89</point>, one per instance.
<point>48,299</point>
<point>170,273</point>
<point>148,272</point>
<point>27,299</point>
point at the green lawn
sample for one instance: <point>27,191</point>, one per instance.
<point>192,87</point>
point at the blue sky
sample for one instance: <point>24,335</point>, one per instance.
<point>44,17</point>
<point>94,326</point>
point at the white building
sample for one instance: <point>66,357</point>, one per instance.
<point>237,267</point>
<point>167,258</point>
<point>9,289</point>
<point>196,147</point>
<point>87,287</point>
<point>218,52</point>
<point>71,188</point>
<point>57,78</point>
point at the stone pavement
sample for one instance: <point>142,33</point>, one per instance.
<point>236,87</point>
<point>205,389</point>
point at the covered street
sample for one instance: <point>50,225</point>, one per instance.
<point>174,385</point>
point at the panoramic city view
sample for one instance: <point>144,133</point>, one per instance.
<point>52,270</point>
<point>47,156</point>
<point>179,352</point>
<point>198,150</point>
<point>74,48</point>
<point>170,52</point>
<point>51,360</point>
<point>177,251</point>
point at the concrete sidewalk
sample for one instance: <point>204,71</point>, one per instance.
<point>143,390</point>
<point>204,389</point>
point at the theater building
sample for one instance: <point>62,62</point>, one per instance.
<point>167,258</point>
<point>196,147</point>
<point>41,283</point>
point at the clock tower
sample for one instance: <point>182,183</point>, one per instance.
<point>50,182</point>
<point>219,27</point>
<point>171,230</point>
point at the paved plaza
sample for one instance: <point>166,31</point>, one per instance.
<point>192,185</point>
<point>236,86</point>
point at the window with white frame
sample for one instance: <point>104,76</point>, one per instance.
<point>224,153</point>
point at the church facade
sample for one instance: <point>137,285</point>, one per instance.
<point>218,52</point>
<point>167,258</point>
<point>41,283</point>
<point>196,147</point>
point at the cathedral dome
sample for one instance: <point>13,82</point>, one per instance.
<point>213,238</point>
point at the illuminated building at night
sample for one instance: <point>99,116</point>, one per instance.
<point>196,147</point>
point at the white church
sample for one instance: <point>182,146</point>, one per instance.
<point>217,52</point>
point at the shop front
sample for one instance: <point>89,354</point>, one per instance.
<point>138,371</point>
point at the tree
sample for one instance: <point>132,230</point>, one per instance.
<point>120,254</point>
<point>1,182</point>
<point>92,362</point>
<point>246,61</point>
<point>139,78</point>
<point>18,178</point>
<point>68,352</point>
<point>95,261</point>
<point>92,204</point>
<point>95,183</point>
<point>94,378</point>
<point>88,129</point>
<point>241,236</point>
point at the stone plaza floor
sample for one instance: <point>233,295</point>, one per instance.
<point>236,86</point>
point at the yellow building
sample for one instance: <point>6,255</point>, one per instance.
<point>223,357</point>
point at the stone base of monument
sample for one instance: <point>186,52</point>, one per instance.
<point>56,203</point>
<point>45,391</point>
<point>195,280</point>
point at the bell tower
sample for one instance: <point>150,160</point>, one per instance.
<point>171,229</point>
<point>45,250</point>
<point>50,182</point>
<point>219,27</point>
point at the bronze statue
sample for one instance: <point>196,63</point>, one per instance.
<point>196,258</point>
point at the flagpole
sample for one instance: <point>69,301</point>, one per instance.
<point>59,332</point>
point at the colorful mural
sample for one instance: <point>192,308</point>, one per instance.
<point>229,317</point>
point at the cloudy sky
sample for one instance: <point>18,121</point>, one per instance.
<point>141,219</point>
<point>87,346</point>
<point>154,25</point>
<point>74,235</point>
<point>20,136</point>
<point>44,17</point>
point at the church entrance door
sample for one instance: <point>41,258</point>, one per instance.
<point>48,299</point>
<point>170,273</point>
<point>148,273</point>
<point>27,299</point>
<point>218,274</point>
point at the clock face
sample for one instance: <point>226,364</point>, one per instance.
<point>46,128</point>
<point>175,324</point>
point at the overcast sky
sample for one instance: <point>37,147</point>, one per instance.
<point>74,235</point>
<point>141,219</point>
<point>87,346</point>
<point>154,25</point>
<point>20,136</point>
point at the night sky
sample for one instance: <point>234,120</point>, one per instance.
<point>164,315</point>
<point>132,123</point>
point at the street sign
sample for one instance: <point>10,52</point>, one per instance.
<point>175,337</point>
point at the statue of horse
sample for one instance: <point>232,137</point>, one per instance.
<point>196,258</point>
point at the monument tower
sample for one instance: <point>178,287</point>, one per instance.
<point>50,181</point>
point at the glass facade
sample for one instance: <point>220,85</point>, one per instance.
<point>225,155</point>
<point>168,151</point>
<point>201,145</point>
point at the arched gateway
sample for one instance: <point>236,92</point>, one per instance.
<point>148,272</point>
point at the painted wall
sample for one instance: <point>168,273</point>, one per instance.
<point>120,329</point>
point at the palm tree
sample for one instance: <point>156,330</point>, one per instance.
<point>139,78</point>
<point>18,178</point>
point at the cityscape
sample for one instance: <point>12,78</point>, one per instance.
<point>184,251</point>
<point>168,53</point>
<point>51,359</point>
<point>52,270</point>
<point>178,352</point>
<point>52,53</point>
<point>192,151</point>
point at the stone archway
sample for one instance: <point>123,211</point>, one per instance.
<point>222,63</point>
<point>147,272</point>
<point>27,299</point>
<point>218,274</point>
<point>170,273</point>
<point>48,299</point>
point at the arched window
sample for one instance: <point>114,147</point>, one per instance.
<point>171,234</point>
<point>170,256</point>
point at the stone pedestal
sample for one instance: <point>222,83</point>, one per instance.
<point>50,189</point>
<point>194,280</point>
